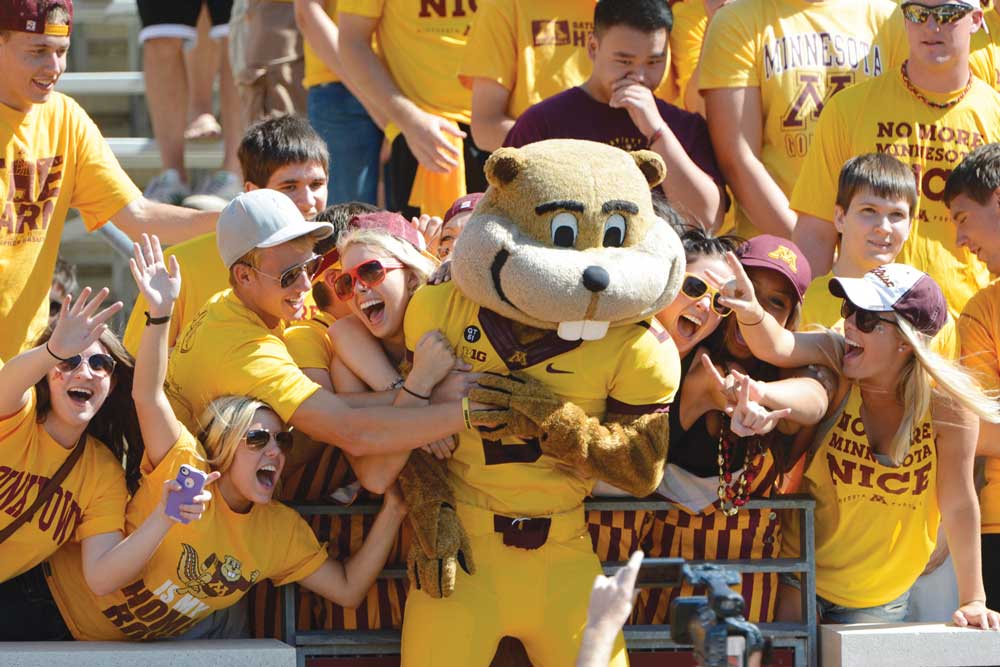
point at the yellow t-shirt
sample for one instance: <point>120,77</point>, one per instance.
<point>881,115</point>
<point>422,43</point>
<point>308,342</point>
<point>984,51</point>
<point>634,369</point>
<point>686,37</point>
<point>534,49</point>
<point>203,276</point>
<point>316,72</point>
<point>979,333</point>
<point>53,158</point>
<point>199,568</point>
<point>90,501</point>
<point>876,525</point>
<point>799,54</point>
<point>228,351</point>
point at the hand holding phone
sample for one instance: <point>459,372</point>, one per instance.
<point>191,481</point>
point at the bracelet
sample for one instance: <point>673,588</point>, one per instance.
<point>747,324</point>
<point>414,394</point>
<point>656,135</point>
<point>156,320</point>
<point>466,414</point>
<point>49,350</point>
<point>396,384</point>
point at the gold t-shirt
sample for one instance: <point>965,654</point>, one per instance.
<point>799,54</point>
<point>53,158</point>
<point>881,115</point>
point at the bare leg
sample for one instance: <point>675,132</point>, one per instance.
<point>166,92</point>
<point>202,62</point>
<point>232,125</point>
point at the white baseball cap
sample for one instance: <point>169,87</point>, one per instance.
<point>910,293</point>
<point>262,219</point>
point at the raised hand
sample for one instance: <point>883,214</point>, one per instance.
<point>198,505</point>
<point>156,283</point>
<point>738,293</point>
<point>80,324</point>
<point>429,227</point>
<point>751,418</point>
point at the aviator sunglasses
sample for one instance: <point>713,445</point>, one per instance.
<point>258,438</point>
<point>950,12</point>
<point>864,320</point>
<point>694,287</point>
<point>369,274</point>
<point>291,274</point>
<point>100,365</point>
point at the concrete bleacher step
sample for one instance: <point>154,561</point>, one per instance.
<point>105,11</point>
<point>101,83</point>
<point>908,645</point>
<point>208,652</point>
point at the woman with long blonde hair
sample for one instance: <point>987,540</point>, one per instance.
<point>893,457</point>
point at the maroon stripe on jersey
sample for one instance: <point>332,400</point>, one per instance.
<point>771,532</point>
<point>500,332</point>
<point>615,406</point>
<point>384,607</point>
<point>746,549</point>
<point>766,611</point>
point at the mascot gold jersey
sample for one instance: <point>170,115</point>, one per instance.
<point>555,280</point>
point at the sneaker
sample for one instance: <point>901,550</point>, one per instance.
<point>215,191</point>
<point>167,187</point>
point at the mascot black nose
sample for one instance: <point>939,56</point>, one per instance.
<point>596,279</point>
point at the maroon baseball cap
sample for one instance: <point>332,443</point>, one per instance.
<point>30,16</point>
<point>773,252</point>
<point>910,293</point>
<point>463,205</point>
<point>390,223</point>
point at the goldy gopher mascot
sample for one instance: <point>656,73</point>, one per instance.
<point>555,280</point>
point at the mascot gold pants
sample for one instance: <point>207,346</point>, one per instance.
<point>538,595</point>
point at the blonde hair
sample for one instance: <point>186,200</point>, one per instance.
<point>252,257</point>
<point>927,375</point>
<point>223,424</point>
<point>417,262</point>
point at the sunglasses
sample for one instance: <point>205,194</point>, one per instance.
<point>291,274</point>
<point>369,274</point>
<point>258,438</point>
<point>101,365</point>
<point>944,14</point>
<point>864,320</point>
<point>694,287</point>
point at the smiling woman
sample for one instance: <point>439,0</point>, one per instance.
<point>213,562</point>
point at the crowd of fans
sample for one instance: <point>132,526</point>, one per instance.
<point>833,172</point>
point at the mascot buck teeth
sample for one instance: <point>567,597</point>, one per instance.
<point>555,280</point>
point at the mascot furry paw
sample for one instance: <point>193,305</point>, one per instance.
<point>555,280</point>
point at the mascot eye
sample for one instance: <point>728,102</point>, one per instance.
<point>614,231</point>
<point>564,230</point>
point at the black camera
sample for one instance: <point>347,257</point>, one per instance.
<point>714,624</point>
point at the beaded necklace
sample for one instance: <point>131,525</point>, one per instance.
<point>920,96</point>
<point>734,493</point>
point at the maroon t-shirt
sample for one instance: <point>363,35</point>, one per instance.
<point>573,114</point>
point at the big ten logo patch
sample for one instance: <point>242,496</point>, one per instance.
<point>32,189</point>
<point>812,91</point>
<point>447,8</point>
<point>921,144</point>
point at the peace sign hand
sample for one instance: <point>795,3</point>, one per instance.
<point>156,283</point>
<point>79,324</point>
<point>751,418</point>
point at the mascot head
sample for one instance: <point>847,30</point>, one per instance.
<point>566,239</point>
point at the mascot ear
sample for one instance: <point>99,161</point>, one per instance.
<point>651,165</point>
<point>504,165</point>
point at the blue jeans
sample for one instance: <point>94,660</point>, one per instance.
<point>354,142</point>
<point>893,611</point>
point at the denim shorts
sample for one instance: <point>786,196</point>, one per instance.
<point>893,611</point>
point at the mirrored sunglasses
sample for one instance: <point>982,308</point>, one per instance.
<point>694,287</point>
<point>258,438</point>
<point>369,273</point>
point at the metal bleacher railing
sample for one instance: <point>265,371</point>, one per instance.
<point>800,637</point>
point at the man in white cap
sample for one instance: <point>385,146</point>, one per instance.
<point>235,345</point>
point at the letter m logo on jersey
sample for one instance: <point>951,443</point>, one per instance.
<point>812,91</point>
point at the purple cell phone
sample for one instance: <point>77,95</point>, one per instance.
<point>192,481</point>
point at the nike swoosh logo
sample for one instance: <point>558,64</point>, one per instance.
<point>551,369</point>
